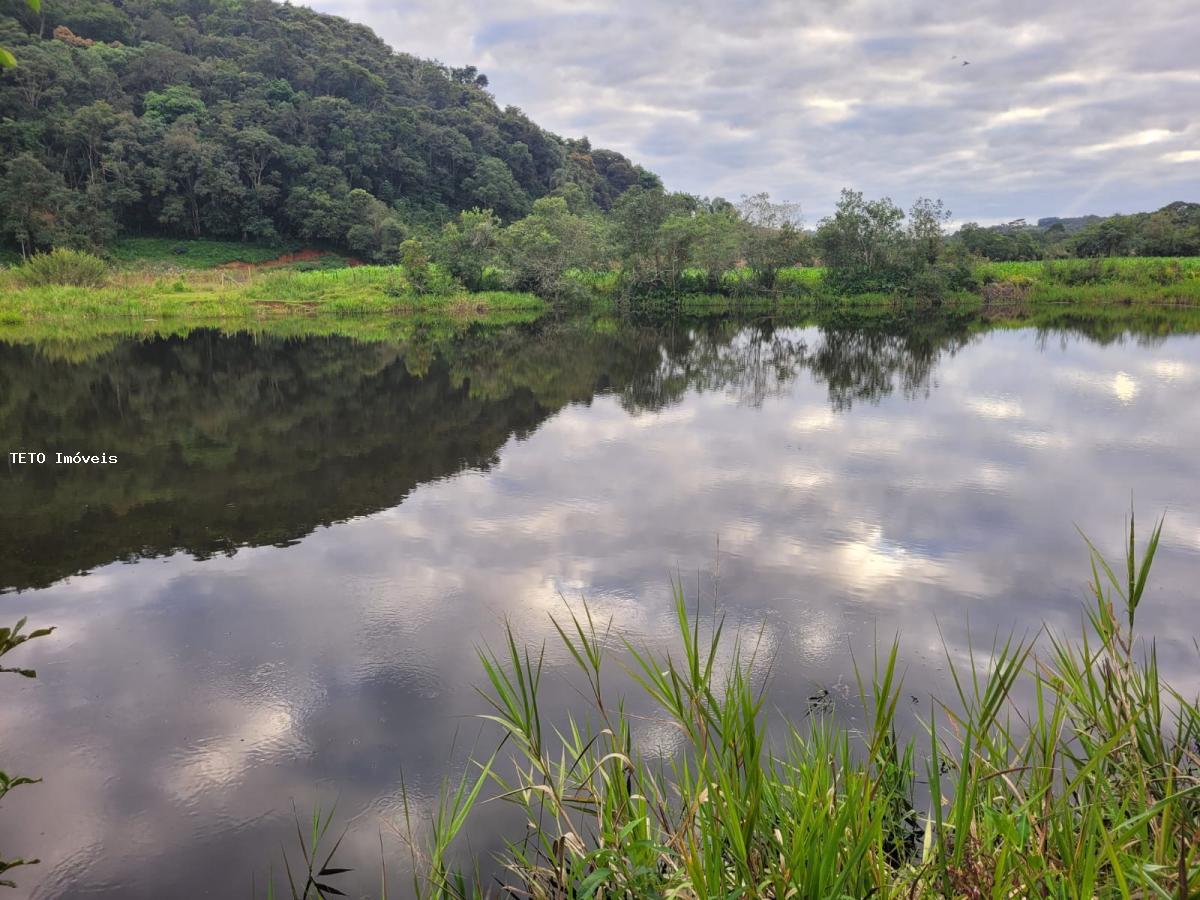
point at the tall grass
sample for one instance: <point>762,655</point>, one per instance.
<point>1075,272</point>
<point>1058,767</point>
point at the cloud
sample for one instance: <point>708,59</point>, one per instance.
<point>1063,108</point>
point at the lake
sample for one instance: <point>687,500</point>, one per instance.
<point>277,592</point>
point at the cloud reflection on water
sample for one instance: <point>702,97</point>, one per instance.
<point>183,702</point>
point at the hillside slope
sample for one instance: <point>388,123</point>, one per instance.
<point>254,120</point>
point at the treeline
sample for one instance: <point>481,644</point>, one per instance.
<point>257,121</point>
<point>655,242</point>
<point>1173,230</point>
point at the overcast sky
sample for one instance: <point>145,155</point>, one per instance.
<point>1065,108</point>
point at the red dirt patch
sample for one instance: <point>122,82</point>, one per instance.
<point>308,254</point>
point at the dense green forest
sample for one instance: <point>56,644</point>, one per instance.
<point>258,120</point>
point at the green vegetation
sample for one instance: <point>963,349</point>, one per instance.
<point>61,266</point>
<point>7,60</point>
<point>230,296</point>
<point>10,639</point>
<point>136,252</point>
<point>260,122</point>
<point>1173,230</point>
<point>1065,768</point>
<point>1119,280</point>
<point>74,290</point>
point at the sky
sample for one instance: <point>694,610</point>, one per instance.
<point>1065,108</point>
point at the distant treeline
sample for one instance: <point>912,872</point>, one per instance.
<point>1173,230</point>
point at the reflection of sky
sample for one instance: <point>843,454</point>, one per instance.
<point>181,705</point>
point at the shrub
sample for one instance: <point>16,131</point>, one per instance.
<point>65,267</point>
<point>495,279</point>
<point>1077,272</point>
<point>800,281</point>
<point>1164,271</point>
<point>692,281</point>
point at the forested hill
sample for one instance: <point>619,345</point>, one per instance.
<point>256,120</point>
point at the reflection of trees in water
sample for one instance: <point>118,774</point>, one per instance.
<point>1146,326</point>
<point>867,365</point>
<point>761,360</point>
<point>1064,337</point>
<point>752,362</point>
<point>228,441</point>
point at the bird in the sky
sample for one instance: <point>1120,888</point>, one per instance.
<point>965,63</point>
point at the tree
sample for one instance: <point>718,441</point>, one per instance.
<point>541,247</point>
<point>415,259</point>
<point>33,201</point>
<point>719,242</point>
<point>862,245</point>
<point>926,229</point>
<point>493,187</point>
<point>374,230</point>
<point>175,102</point>
<point>1113,236</point>
<point>636,219</point>
<point>468,245</point>
<point>771,238</point>
<point>1173,230</point>
<point>759,211</point>
<point>1005,243</point>
<point>290,109</point>
<point>7,60</point>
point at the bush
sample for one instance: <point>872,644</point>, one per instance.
<point>1163,271</point>
<point>799,281</point>
<point>65,267</point>
<point>692,281</point>
<point>1074,273</point>
<point>495,279</point>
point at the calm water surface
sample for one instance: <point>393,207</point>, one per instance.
<point>276,594</point>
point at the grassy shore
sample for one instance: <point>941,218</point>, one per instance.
<point>247,296</point>
<point>1060,766</point>
<point>225,282</point>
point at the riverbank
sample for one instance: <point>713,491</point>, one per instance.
<point>224,284</point>
<point>64,332</point>
<point>247,295</point>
